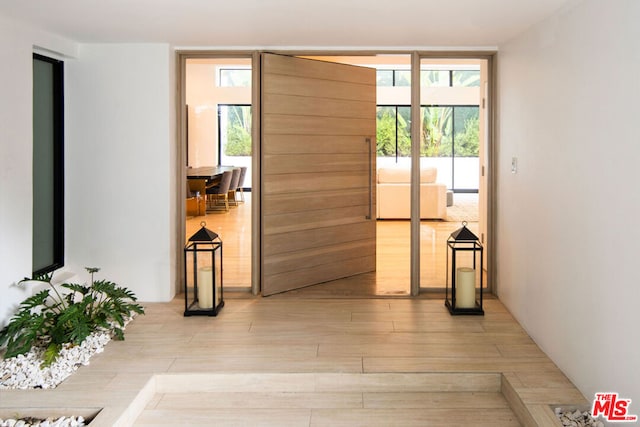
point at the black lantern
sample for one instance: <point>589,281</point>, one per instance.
<point>203,273</point>
<point>464,271</point>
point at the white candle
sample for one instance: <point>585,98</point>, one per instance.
<point>205,287</point>
<point>466,288</point>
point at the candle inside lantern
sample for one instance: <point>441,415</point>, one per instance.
<point>205,287</point>
<point>466,288</point>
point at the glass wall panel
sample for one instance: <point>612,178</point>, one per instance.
<point>465,78</point>
<point>449,142</point>
<point>230,77</point>
<point>403,78</point>
<point>390,78</point>
<point>436,140</point>
<point>434,78</point>
<point>393,132</point>
<point>466,142</point>
<point>384,78</point>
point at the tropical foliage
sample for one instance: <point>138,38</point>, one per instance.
<point>436,131</point>
<point>442,127</point>
<point>50,318</point>
<point>238,137</point>
<point>448,131</point>
<point>393,126</point>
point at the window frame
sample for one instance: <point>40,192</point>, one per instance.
<point>396,77</point>
<point>57,159</point>
<point>396,108</point>
<point>221,80</point>
<point>452,154</point>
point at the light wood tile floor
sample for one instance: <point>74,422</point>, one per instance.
<point>313,361</point>
<point>325,355</point>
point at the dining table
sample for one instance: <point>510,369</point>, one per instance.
<point>207,172</point>
<point>197,179</point>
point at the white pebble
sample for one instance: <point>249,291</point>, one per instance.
<point>577,418</point>
<point>49,422</point>
<point>24,372</point>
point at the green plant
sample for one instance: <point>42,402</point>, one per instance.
<point>393,131</point>
<point>238,142</point>
<point>51,319</point>
<point>43,277</point>
<point>436,131</point>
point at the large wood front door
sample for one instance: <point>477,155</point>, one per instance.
<point>318,172</point>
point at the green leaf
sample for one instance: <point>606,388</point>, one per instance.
<point>55,320</point>
<point>24,327</point>
<point>50,355</point>
<point>118,334</point>
<point>81,289</point>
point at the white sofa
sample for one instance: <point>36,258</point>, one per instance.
<point>394,194</point>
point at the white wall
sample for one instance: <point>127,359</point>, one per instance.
<point>16,123</point>
<point>567,225</point>
<point>120,163</point>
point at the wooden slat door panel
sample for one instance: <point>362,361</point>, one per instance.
<point>336,144</point>
<point>283,203</point>
<point>288,104</point>
<point>318,172</point>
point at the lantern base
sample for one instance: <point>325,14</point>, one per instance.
<point>476,311</point>
<point>194,311</point>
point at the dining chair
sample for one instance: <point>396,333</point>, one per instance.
<point>240,188</point>
<point>234,186</point>
<point>218,192</point>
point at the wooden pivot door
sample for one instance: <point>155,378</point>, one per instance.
<point>318,172</point>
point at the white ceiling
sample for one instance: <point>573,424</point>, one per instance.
<point>286,23</point>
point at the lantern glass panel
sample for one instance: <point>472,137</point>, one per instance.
<point>217,267</point>
<point>190,277</point>
<point>199,264</point>
<point>464,273</point>
<point>205,277</point>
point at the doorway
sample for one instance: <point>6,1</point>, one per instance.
<point>217,93</point>
<point>432,233</point>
